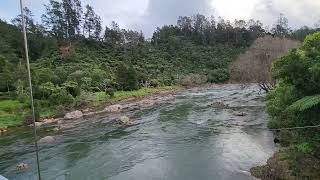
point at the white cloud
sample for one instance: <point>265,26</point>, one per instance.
<point>146,15</point>
<point>234,9</point>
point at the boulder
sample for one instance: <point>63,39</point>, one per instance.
<point>73,115</point>
<point>218,104</point>
<point>22,167</point>
<point>114,108</point>
<point>49,121</point>
<point>146,103</point>
<point>125,120</point>
<point>47,139</point>
<point>38,124</point>
<point>240,114</point>
<point>3,131</point>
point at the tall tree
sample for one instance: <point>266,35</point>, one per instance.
<point>63,18</point>
<point>92,23</point>
<point>72,16</point>
<point>28,16</point>
<point>114,35</point>
<point>281,28</point>
<point>54,20</point>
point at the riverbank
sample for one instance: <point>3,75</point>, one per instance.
<point>181,130</point>
<point>14,112</point>
<point>288,164</point>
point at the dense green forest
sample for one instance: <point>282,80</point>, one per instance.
<point>74,58</point>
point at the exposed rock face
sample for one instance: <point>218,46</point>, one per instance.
<point>73,115</point>
<point>22,167</point>
<point>47,139</point>
<point>114,108</point>
<point>125,120</point>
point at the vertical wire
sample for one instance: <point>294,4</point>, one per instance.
<point>30,86</point>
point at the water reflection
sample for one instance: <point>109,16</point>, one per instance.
<point>188,139</point>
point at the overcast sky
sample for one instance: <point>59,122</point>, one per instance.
<point>146,15</point>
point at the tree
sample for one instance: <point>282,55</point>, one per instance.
<point>28,16</point>
<point>54,20</point>
<point>72,16</point>
<point>185,25</point>
<point>114,34</point>
<point>6,78</point>
<point>254,66</point>
<point>281,28</point>
<point>92,23</point>
<point>127,77</point>
<point>63,18</point>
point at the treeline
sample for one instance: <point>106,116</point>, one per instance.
<point>72,53</point>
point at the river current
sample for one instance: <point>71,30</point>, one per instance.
<point>189,138</point>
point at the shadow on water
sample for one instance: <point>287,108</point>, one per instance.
<point>187,139</point>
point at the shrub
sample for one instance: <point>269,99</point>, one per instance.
<point>192,80</point>
<point>72,88</point>
<point>110,91</point>
<point>127,77</point>
<point>304,148</point>
<point>61,97</point>
<point>218,75</point>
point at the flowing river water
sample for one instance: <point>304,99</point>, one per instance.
<point>186,139</point>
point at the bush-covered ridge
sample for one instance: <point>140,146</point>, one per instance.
<point>73,56</point>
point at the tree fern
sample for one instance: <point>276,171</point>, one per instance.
<point>305,103</point>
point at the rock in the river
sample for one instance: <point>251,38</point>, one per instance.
<point>114,108</point>
<point>3,131</point>
<point>240,114</point>
<point>47,139</point>
<point>218,104</point>
<point>22,167</point>
<point>73,115</point>
<point>125,120</point>
<point>38,124</point>
<point>146,103</point>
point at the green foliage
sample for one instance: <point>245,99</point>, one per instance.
<point>218,75</point>
<point>110,92</point>
<point>295,100</point>
<point>305,103</point>
<point>72,88</point>
<point>61,97</point>
<point>127,77</point>
<point>304,148</point>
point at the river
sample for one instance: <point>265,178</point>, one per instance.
<point>186,139</point>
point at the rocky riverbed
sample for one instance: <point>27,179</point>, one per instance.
<point>202,133</point>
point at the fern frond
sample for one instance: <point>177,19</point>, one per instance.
<point>305,103</point>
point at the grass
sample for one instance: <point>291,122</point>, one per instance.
<point>12,112</point>
<point>120,95</point>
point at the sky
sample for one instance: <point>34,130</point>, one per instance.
<point>146,15</point>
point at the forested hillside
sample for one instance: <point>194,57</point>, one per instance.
<point>72,55</point>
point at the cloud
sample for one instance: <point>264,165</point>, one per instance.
<point>146,15</point>
<point>160,12</point>
<point>298,12</point>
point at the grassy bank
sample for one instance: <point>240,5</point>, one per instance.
<point>14,112</point>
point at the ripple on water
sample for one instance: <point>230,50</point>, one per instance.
<point>187,140</point>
